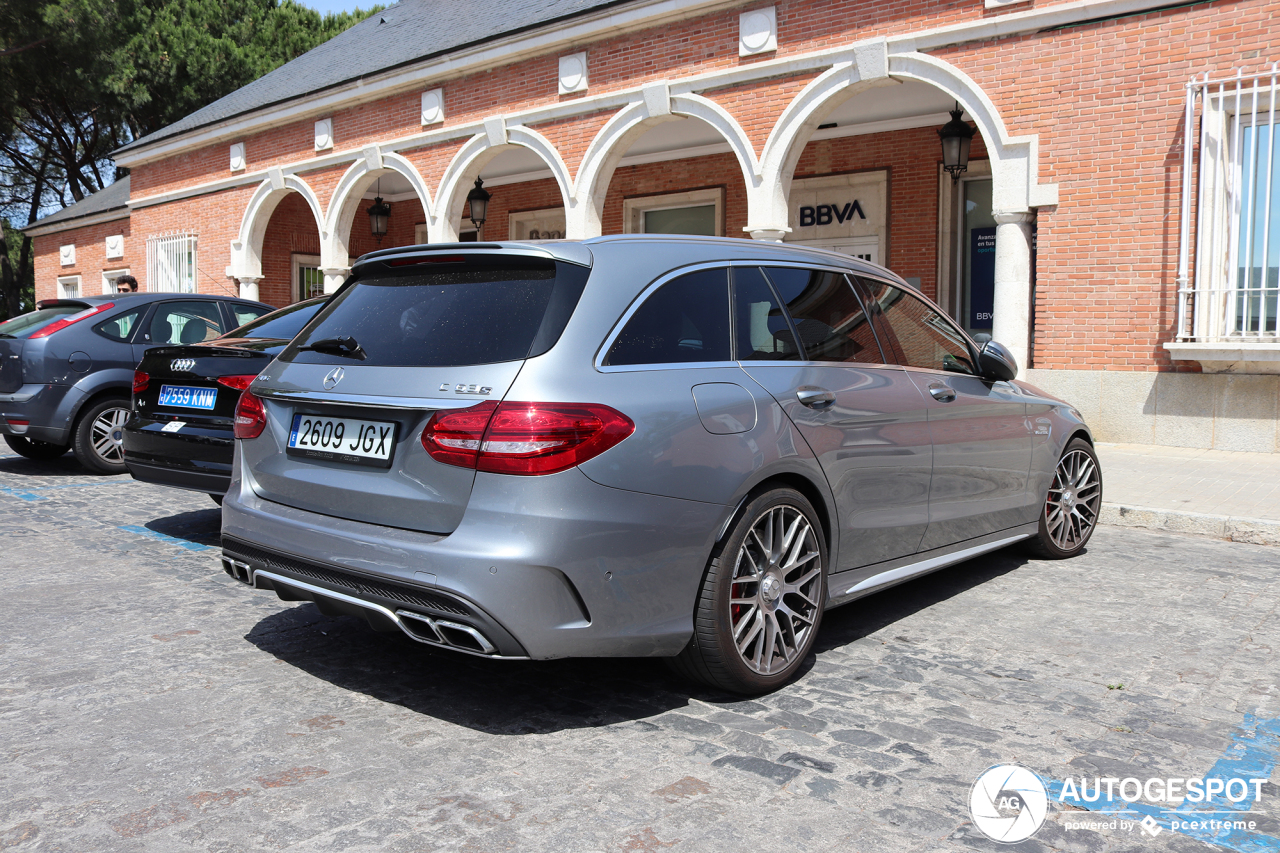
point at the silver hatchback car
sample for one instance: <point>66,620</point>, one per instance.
<point>629,446</point>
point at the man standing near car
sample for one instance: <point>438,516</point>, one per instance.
<point>126,284</point>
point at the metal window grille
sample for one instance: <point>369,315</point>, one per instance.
<point>171,263</point>
<point>1231,166</point>
<point>310,281</point>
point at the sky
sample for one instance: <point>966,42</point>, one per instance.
<point>323,6</point>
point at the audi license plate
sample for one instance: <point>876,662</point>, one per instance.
<point>342,440</point>
<point>188,397</point>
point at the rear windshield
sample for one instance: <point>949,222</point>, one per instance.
<point>28,324</point>
<point>282,325</point>
<point>476,310</point>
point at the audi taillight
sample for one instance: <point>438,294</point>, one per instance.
<point>59,325</point>
<point>239,383</point>
<point>251,416</point>
<point>140,382</point>
<point>524,438</point>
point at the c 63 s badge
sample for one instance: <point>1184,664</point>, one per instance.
<point>483,390</point>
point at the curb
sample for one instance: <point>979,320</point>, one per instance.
<point>1255,531</point>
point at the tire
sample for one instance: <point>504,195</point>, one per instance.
<point>752,636</point>
<point>98,437</point>
<point>1070,509</point>
<point>34,448</point>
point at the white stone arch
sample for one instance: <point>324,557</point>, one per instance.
<point>1016,190</point>
<point>617,135</point>
<point>335,255</point>
<point>471,159</point>
<point>246,249</point>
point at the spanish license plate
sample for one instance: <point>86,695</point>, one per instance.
<point>342,440</point>
<point>187,397</point>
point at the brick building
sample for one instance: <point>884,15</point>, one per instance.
<point>1114,227</point>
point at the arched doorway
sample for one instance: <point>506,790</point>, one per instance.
<point>282,216</point>
<point>349,231</point>
<point>880,113</point>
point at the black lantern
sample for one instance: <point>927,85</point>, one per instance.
<point>956,136</point>
<point>478,201</point>
<point>379,212</point>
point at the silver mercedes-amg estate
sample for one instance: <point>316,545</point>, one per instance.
<point>641,445</point>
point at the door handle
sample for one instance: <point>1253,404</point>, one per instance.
<point>942,393</point>
<point>814,397</point>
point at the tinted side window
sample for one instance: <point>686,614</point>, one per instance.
<point>760,326</point>
<point>187,322</point>
<point>920,334</point>
<point>283,324</point>
<point>120,327</point>
<point>246,313</point>
<point>827,315</point>
<point>685,320</point>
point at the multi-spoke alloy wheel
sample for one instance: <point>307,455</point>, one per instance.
<point>761,599</point>
<point>1071,507</point>
<point>773,600</point>
<point>99,436</point>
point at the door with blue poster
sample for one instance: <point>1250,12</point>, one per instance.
<point>978,237</point>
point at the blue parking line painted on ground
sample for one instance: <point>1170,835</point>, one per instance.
<point>161,537</point>
<point>1254,751</point>
<point>21,494</point>
<point>32,493</point>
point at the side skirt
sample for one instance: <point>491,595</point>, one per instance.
<point>849,586</point>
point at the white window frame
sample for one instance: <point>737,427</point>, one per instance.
<point>634,209</point>
<point>1208,295</point>
<point>296,265</point>
<point>65,281</point>
<point>109,279</point>
<point>166,258</point>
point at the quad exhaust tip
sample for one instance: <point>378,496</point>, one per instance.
<point>418,626</point>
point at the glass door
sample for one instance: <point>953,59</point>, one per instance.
<point>977,239</point>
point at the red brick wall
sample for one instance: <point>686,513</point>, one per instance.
<point>1106,100</point>
<point>91,257</point>
<point>679,49</point>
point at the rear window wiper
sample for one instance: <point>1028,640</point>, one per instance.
<point>345,346</point>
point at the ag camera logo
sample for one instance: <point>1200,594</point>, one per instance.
<point>1008,803</point>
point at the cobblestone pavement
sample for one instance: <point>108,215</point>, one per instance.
<point>148,702</point>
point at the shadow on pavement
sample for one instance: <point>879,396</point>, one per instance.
<point>853,621</point>
<point>64,466</point>
<point>203,526</point>
<point>538,697</point>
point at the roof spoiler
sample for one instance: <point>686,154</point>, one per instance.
<point>55,303</point>
<point>570,251</point>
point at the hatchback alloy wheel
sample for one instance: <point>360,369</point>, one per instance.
<point>99,437</point>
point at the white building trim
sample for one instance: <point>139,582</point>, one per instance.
<point>609,24</point>
<point>246,249</point>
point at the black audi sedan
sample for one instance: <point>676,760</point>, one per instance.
<point>184,399</point>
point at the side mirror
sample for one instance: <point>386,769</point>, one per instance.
<point>996,362</point>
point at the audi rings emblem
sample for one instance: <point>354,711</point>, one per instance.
<point>182,365</point>
<point>332,378</point>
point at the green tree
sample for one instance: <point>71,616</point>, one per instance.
<point>80,78</point>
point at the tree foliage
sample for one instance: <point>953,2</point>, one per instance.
<point>80,78</point>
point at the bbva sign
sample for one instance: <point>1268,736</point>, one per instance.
<point>824,214</point>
